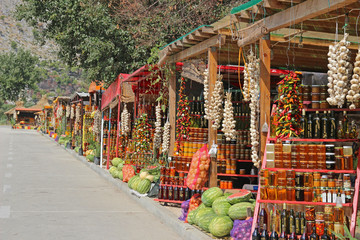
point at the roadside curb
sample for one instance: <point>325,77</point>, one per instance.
<point>184,230</point>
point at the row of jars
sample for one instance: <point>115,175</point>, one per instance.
<point>242,137</point>
<point>303,179</point>
<point>309,148</point>
<point>233,151</point>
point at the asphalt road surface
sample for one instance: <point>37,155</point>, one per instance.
<point>48,194</point>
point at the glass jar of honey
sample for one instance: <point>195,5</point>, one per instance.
<point>263,192</point>
<point>308,180</point>
<point>312,165</point>
<point>286,164</point>
<point>282,182</point>
<point>308,194</point>
<point>331,183</point>
<point>290,182</point>
<point>339,151</point>
<point>278,163</point>
<point>319,216</point>
<point>316,183</point>
<point>272,193</point>
<point>303,164</point>
<point>281,193</point>
<point>324,182</point>
<point>348,162</point>
<point>339,162</point>
<point>290,193</point>
<point>330,227</point>
<point>281,173</point>
<point>273,178</point>
<point>316,175</point>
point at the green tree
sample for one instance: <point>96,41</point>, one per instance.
<point>19,73</point>
<point>86,35</point>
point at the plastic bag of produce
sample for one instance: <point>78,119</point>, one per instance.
<point>194,203</point>
<point>242,229</point>
<point>199,168</point>
<point>184,210</point>
<point>128,172</point>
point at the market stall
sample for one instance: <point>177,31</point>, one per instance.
<point>60,123</point>
<point>79,104</point>
<point>295,37</point>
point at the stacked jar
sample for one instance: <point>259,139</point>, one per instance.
<point>288,185</point>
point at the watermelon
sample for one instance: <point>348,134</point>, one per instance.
<point>220,200</point>
<point>210,195</point>
<point>221,226</point>
<point>116,161</point>
<point>242,196</point>
<point>191,216</point>
<point>115,173</point>
<point>144,186</point>
<point>135,183</point>
<point>204,217</point>
<point>120,175</point>
<point>152,170</point>
<point>112,169</point>
<point>221,208</point>
<point>131,181</point>
<point>239,210</point>
<point>228,194</point>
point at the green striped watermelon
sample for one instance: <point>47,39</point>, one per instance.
<point>144,186</point>
<point>239,210</point>
<point>221,208</point>
<point>132,180</point>
<point>221,226</point>
<point>210,195</point>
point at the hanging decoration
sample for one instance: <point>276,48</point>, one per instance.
<point>206,93</point>
<point>158,130</point>
<point>142,135</point>
<point>67,111</point>
<point>97,124</point>
<point>125,121</point>
<point>229,122</point>
<point>254,79</point>
<point>289,108</point>
<point>246,90</point>
<point>182,117</point>
<point>72,113</point>
<point>339,72</point>
<point>166,138</point>
<point>216,101</point>
<point>59,112</point>
<point>78,113</point>
<point>354,92</point>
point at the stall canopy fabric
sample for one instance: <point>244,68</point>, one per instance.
<point>113,90</point>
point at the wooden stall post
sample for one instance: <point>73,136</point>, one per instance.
<point>264,89</point>
<point>108,141</point>
<point>212,65</point>
<point>172,109</point>
<point>102,139</point>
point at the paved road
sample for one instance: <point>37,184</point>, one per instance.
<point>47,194</point>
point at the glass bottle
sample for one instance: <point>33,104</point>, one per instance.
<point>256,234</point>
<point>262,217</point>
<point>181,194</point>
<point>303,236</point>
<point>298,224</point>
<point>325,235</point>
<point>324,126</point>
<point>161,192</point>
<point>170,193</point>
<point>284,220</point>
<point>187,194</point>
<point>292,236</point>
<point>338,210</point>
<point>274,235</point>
<point>176,193</point>
<point>313,235</point>
<point>303,124</point>
<point>264,234</point>
<point>292,221</point>
<point>332,126</point>
<point>340,130</point>
<point>310,127</point>
<point>345,124</point>
<point>317,126</point>
<point>283,235</point>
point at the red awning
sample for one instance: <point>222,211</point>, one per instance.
<point>28,109</point>
<point>113,90</point>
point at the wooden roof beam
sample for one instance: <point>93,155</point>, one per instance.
<point>274,4</point>
<point>296,14</point>
<point>198,49</point>
<point>290,1</point>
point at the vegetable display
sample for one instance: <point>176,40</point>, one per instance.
<point>339,72</point>
<point>289,108</point>
<point>182,117</point>
<point>199,168</point>
<point>125,121</point>
<point>166,138</point>
<point>142,135</point>
<point>206,93</point>
<point>254,75</point>
<point>216,101</point>
<point>354,92</point>
<point>229,122</point>
<point>158,130</point>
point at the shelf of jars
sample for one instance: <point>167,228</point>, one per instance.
<point>236,175</point>
<point>88,136</point>
<point>314,140</point>
<point>303,203</point>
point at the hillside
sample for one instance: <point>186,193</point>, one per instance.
<point>60,79</point>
